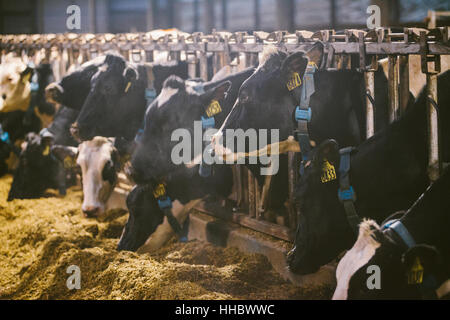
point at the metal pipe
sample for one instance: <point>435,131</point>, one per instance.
<point>433,129</point>
<point>369,78</point>
<point>404,82</point>
<point>393,87</point>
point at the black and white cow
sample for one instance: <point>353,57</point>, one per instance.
<point>38,170</point>
<point>100,164</point>
<point>338,106</point>
<point>109,91</point>
<point>177,107</point>
<point>23,107</point>
<point>387,172</point>
<point>416,265</point>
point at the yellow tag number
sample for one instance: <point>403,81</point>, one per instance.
<point>415,274</point>
<point>328,172</point>
<point>69,162</point>
<point>294,81</point>
<point>213,108</point>
<point>46,151</point>
<point>159,191</point>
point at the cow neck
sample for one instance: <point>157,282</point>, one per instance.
<point>302,114</point>
<point>150,94</point>
<point>422,225</point>
<point>346,194</point>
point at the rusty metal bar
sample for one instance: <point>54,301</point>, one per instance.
<point>404,82</point>
<point>203,60</point>
<point>291,187</point>
<point>251,195</point>
<point>369,78</point>
<point>433,129</point>
<point>393,87</point>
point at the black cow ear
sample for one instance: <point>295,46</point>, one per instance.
<point>219,92</point>
<point>315,54</point>
<point>420,259</point>
<point>292,70</point>
<point>115,157</point>
<point>25,75</point>
<point>329,151</point>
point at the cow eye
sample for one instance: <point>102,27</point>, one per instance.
<point>108,173</point>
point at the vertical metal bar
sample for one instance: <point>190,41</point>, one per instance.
<point>433,132</point>
<point>369,77</point>
<point>393,87</point>
<point>203,60</point>
<point>251,195</point>
<point>192,65</point>
<point>196,16</point>
<point>291,188</point>
<point>404,82</point>
<point>257,200</point>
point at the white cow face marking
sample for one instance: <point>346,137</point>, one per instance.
<point>98,160</point>
<point>165,95</point>
<point>14,88</point>
<point>359,255</point>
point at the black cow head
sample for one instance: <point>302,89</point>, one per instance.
<point>397,267</point>
<point>323,231</point>
<point>37,170</point>
<point>267,99</point>
<point>176,108</point>
<point>73,89</point>
<point>115,104</point>
<point>144,218</point>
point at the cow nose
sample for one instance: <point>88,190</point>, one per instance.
<point>53,92</point>
<point>4,96</point>
<point>90,212</point>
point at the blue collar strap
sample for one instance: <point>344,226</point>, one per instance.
<point>165,204</point>
<point>402,232</point>
<point>303,114</point>
<point>208,122</point>
<point>150,95</point>
<point>346,194</point>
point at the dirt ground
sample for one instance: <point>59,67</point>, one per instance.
<point>40,239</point>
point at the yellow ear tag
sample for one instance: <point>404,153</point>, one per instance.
<point>415,274</point>
<point>69,162</point>
<point>159,191</point>
<point>213,108</point>
<point>294,81</point>
<point>127,87</point>
<point>26,77</point>
<point>328,172</point>
<point>46,151</point>
<point>312,63</point>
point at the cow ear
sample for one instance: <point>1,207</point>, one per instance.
<point>421,259</point>
<point>327,151</point>
<point>292,70</point>
<point>65,154</point>
<point>115,157</point>
<point>315,54</point>
<point>130,77</point>
<point>211,98</point>
<point>25,75</point>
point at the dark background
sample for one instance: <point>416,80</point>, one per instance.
<point>49,16</point>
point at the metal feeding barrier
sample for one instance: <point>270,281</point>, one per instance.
<point>350,49</point>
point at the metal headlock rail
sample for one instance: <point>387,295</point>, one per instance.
<point>251,199</point>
